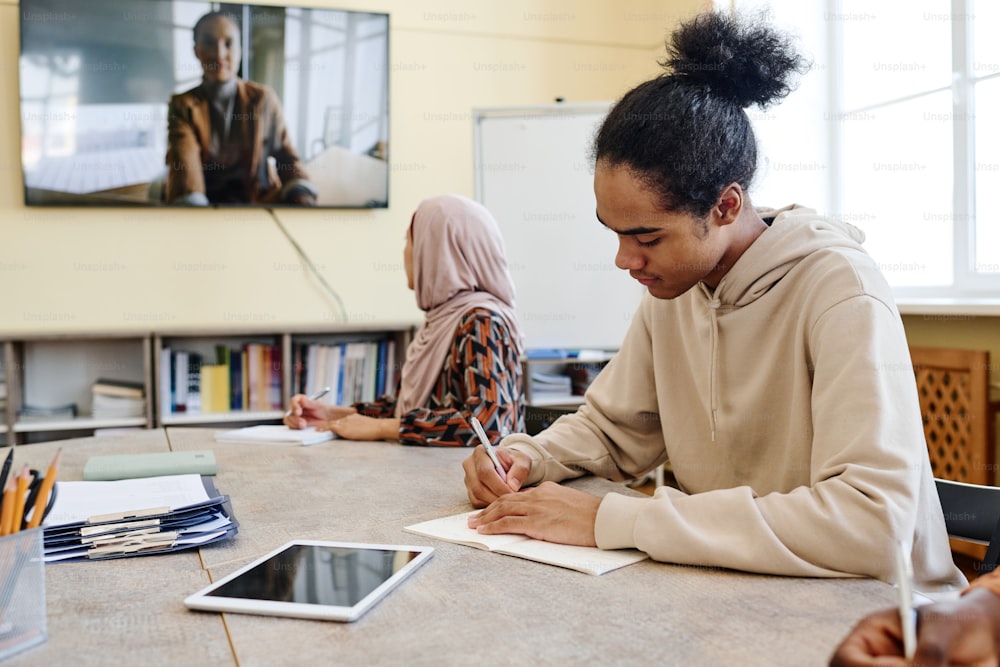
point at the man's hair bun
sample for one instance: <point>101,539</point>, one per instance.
<point>734,58</point>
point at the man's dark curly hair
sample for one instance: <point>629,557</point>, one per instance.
<point>685,134</point>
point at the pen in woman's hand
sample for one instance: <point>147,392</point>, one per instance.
<point>478,428</point>
<point>315,397</point>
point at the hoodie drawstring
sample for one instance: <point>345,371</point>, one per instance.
<point>713,305</point>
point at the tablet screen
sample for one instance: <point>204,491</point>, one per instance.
<point>336,581</point>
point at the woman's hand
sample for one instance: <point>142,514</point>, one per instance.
<point>304,411</point>
<point>360,427</point>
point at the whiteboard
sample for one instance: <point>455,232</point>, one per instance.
<point>533,172</point>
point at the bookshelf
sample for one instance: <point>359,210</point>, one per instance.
<point>282,359</point>
<point>46,371</point>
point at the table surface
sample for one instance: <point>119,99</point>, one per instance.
<point>465,606</point>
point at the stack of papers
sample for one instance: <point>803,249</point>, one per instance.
<point>117,407</point>
<point>135,517</point>
<point>551,382</point>
<point>39,413</point>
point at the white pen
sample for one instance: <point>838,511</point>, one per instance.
<point>315,397</point>
<point>478,428</point>
<point>907,614</point>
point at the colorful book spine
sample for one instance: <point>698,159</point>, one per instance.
<point>180,381</point>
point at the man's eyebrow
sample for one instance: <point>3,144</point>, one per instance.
<point>630,232</point>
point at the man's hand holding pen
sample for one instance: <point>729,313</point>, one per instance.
<point>551,512</point>
<point>483,483</point>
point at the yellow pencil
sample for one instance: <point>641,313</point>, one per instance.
<point>7,517</point>
<point>44,490</point>
<point>20,495</point>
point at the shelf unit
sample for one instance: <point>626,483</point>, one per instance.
<point>48,370</point>
<point>557,366</point>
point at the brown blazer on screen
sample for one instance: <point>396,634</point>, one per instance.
<point>260,128</point>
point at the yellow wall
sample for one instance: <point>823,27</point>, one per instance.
<point>968,332</point>
<point>75,269</point>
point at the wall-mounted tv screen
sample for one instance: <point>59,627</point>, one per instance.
<point>178,102</point>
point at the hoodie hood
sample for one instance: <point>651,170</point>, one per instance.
<point>794,233</point>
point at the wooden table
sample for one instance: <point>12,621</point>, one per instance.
<point>465,606</point>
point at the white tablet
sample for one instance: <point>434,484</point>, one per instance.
<point>332,581</point>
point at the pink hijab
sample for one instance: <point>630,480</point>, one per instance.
<point>459,263</point>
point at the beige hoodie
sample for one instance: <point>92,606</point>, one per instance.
<point>786,405</point>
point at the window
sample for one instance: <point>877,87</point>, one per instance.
<point>891,130</point>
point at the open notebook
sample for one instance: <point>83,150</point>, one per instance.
<point>589,560</point>
<point>274,434</point>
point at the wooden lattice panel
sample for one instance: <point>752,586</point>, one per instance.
<point>944,405</point>
<point>953,387</point>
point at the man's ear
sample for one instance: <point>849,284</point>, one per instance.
<point>729,205</point>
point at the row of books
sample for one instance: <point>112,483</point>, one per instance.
<point>249,377</point>
<point>354,371</point>
<point>243,378</point>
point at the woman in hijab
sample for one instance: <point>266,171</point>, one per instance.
<point>465,360</point>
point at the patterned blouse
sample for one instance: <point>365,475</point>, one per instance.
<point>481,378</point>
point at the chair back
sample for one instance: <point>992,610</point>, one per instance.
<point>972,513</point>
<point>537,419</point>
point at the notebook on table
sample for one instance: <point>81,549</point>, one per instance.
<point>589,560</point>
<point>274,434</point>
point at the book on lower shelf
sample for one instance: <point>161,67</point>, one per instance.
<point>116,387</point>
<point>551,383</point>
<point>589,560</point>
<point>117,407</point>
<point>117,399</point>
